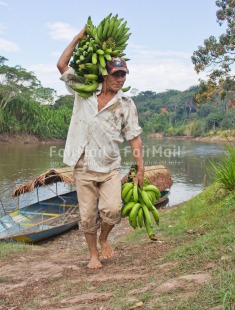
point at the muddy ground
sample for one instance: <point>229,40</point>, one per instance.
<point>53,275</point>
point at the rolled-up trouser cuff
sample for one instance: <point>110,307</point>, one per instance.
<point>89,230</point>
<point>110,221</point>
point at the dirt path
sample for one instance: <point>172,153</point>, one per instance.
<point>53,275</point>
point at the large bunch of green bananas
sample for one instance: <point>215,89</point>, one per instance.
<point>103,42</point>
<point>139,204</point>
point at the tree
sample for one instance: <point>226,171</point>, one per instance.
<point>217,56</point>
<point>17,81</point>
<point>13,81</point>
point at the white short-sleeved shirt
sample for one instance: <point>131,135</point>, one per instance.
<point>99,133</point>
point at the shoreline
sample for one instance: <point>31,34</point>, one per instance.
<point>6,138</point>
<point>219,137</point>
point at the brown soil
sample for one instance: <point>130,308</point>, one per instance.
<point>54,275</point>
<point>6,138</point>
<point>215,137</point>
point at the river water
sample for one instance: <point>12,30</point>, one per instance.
<point>186,161</point>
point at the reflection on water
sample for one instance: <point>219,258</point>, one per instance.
<point>186,161</point>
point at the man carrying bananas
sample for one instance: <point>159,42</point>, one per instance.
<point>98,125</point>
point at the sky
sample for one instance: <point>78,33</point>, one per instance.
<point>33,34</point>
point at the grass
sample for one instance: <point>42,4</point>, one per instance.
<point>199,233</point>
<point>210,220</point>
<point>10,249</point>
<point>224,171</point>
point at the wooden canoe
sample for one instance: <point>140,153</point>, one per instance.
<point>58,214</point>
<point>41,220</point>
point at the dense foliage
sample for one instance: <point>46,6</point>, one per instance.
<point>176,113</point>
<point>217,57</point>
<point>27,107</point>
<point>224,171</point>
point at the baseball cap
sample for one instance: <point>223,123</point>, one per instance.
<point>116,64</point>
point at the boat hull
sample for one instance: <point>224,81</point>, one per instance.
<point>41,220</point>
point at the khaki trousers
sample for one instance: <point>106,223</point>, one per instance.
<point>99,196</point>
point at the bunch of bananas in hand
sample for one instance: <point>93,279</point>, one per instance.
<point>103,42</point>
<point>138,205</point>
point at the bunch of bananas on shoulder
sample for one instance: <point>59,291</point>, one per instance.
<point>138,205</point>
<point>107,40</point>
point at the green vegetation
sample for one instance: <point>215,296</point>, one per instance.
<point>195,238</point>
<point>224,171</point>
<point>10,249</point>
<point>175,113</point>
<point>201,234</point>
<point>209,218</point>
<point>217,56</point>
<point>27,107</point>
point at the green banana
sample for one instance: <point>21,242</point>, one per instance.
<point>88,29</point>
<point>123,39</point>
<point>120,48</point>
<point>126,189</point>
<point>126,208</point>
<point>155,215</point>
<point>128,196</point>
<point>146,181</point>
<point>126,59</point>
<point>91,76</point>
<point>149,231</point>
<point>124,32</point>
<point>120,30</point>
<point>115,27</point>
<point>81,93</point>
<point>126,184</point>
<point>153,188</point>
<point>135,193</point>
<point>108,57</point>
<point>102,42</point>
<point>146,199</point>
<point>118,23</point>
<point>133,215</point>
<point>111,24</point>
<point>100,30</point>
<point>103,71</point>
<point>78,78</point>
<point>102,61</point>
<point>147,216</point>
<point>88,88</point>
<point>94,58</point>
<point>125,89</point>
<point>100,52</point>
<point>151,196</point>
<point>105,30</point>
<point>140,217</point>
<point>90,67</point>
<point>82,58</point>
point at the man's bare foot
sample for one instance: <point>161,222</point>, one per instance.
<point>94,263</point>
<point>106,249</point>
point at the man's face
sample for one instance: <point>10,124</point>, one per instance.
<point>116,80</point>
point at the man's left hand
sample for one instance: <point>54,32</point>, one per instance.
<point>139,178</point>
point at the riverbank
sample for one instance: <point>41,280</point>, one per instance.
<point>214,137</point>
<point>6,138</point>
<point>191,266</point>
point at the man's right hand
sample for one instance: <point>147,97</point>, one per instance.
<point>63,61</point>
